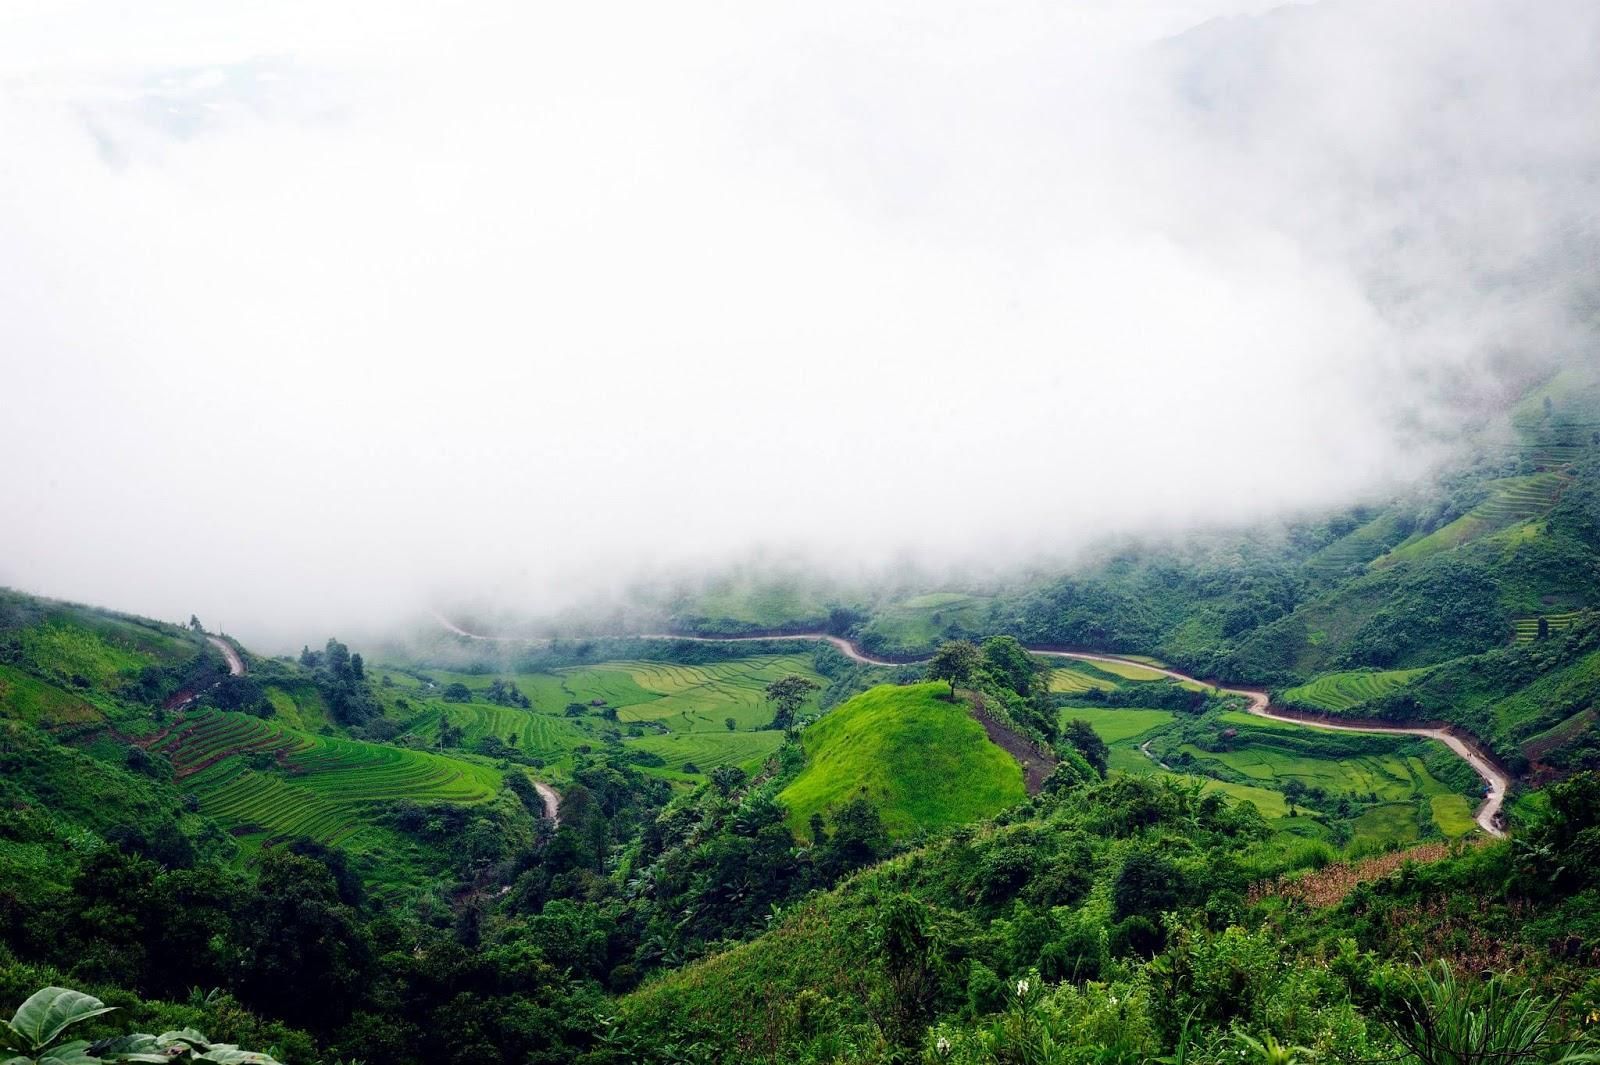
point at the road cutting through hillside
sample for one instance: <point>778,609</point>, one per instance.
<point>1257,701</point>
<point>552,802</point>
<point>235,663</point>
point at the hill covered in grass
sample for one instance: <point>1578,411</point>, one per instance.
<point>922,760</point>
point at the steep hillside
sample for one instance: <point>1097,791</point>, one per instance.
<point>1020,941</point>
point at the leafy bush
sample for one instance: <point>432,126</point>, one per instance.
<point>33,1034</point>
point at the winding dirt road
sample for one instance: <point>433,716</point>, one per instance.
<point>235,663</point>
<point>552,802</point>
<point>1488,816</point>
<point>1258,703</point>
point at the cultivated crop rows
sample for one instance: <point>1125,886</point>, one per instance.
<point>538,734</point>
<point>690,698</point>
<point>1512,500</point>
<point>708,750</point>
<point>1354,549</point>
<point>1520,498</point>
<point>1070,681</point>
<point>252,773</point>
<point>1528,628</point>
<point>202,740</point>
<point>1341,691</point>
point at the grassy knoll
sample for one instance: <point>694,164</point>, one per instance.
<point>923,760</point>
<point>1341,691</point>
<point>298,705</point>
<point>74,651</point>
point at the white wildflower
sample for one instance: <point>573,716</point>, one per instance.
<point>1022,988</point>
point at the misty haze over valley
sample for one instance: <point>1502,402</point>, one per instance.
<point>788,534</point>
<point>339,316</point>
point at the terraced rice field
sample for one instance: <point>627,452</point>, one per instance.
<point>1354,549</point>
<point>1129,671</point>
<point>1337,692</point>
<point>1269,754</point>
<point>1390,777</point>
<point>298,706</point>
<point>706,751</point>
<point>1528,628</point>
<point>257,775</point>
<point>688,698</point>
<point>1552,456</point>
<point>1071,680</point>
<point>1511,501</point>
<point>540,735</point>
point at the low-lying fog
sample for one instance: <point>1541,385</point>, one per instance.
<point>310,317</point>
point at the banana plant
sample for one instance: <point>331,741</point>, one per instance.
<point>33,1036</point>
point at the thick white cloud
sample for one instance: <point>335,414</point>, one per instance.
<point>308,312</point>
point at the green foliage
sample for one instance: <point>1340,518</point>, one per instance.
<point>786,694</point>
<point>957,662</point>
<point>1081,734</point>
<point>1441,1020</point>
<point>1342,691</point>
<point>33,1033</point>
<point>921,760</point>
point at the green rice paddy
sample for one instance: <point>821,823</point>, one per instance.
<point>1527,629</point>
<point>1512,500</point>
<point>1341,691</point>
<point>1073,679</point>
<point>1117,725</point>
<point>279,782</point>
<point>1392,792</point>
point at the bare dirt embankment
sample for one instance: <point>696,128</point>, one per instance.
<point>1497,781</point>
<point>1037,764</point>
<point>552,802</point>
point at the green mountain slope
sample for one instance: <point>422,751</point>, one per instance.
<point>922,760</point>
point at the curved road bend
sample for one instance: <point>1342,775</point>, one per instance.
<point>235,663</point>
<point>1259,704</point>
<point>552,802</point>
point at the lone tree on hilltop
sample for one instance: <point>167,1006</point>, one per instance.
<point>957,661</point>
<point>786,694</point>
